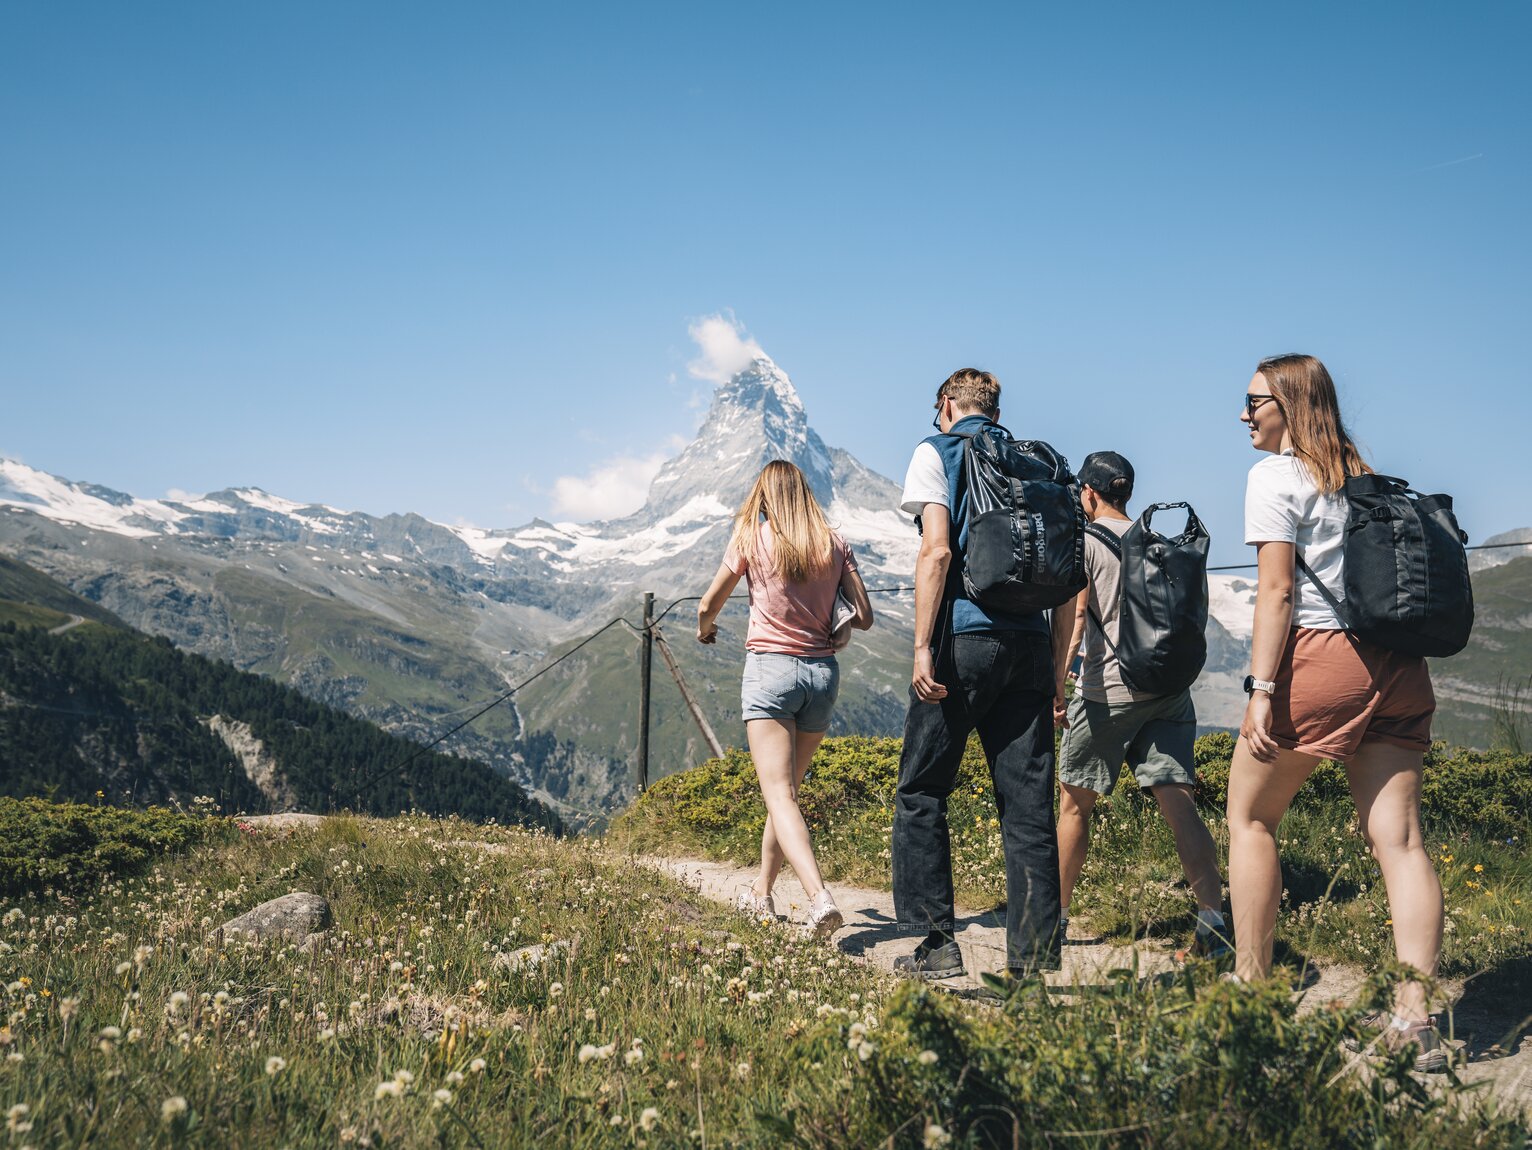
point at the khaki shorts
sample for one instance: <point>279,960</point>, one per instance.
<point>1336,692</point>
<point>1152,736</point>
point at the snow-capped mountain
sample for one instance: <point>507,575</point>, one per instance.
<point>408,621</point>
<point>756,417</point>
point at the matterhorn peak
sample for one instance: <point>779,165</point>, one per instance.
<point>759,383</point>
<point>756,416</point>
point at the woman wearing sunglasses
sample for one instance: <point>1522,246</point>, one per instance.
<point>1319,692</point>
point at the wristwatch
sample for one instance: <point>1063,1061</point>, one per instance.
<point>1254,684</point>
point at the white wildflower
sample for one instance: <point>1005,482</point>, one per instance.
<point>936,1136</point>
<point>926,1058</point>
<point>649,1119</point>
<point>172,1108</point>
<point>16,1118</point>
<point>275,1065</point>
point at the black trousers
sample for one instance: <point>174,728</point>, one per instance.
<point>1000,684</point>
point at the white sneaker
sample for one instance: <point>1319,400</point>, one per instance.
<point>825,917</point>
<point>757,906</point>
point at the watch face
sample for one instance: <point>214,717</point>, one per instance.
<point>1249,683</point>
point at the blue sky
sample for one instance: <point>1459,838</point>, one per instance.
<point>436,258</point>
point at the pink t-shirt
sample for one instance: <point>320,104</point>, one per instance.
<point>789,618</point>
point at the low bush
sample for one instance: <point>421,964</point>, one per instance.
<point>73,846</point>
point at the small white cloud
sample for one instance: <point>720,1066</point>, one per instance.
<point>726,349</point>
<point>611,490</point>
<point>176,495</point>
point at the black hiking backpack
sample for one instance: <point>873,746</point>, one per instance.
<point>1162,610</point>
<point>1406,569</point>
<point>1025,548</point>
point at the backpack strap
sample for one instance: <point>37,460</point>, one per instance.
<point>1325,593</point>
<point>1110,540</point>
<point>1113,544</point>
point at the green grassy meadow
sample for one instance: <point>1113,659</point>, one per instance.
<point>656,1020</point>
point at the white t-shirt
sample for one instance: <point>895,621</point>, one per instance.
<point>1283,505</point>
<point>925,481</point>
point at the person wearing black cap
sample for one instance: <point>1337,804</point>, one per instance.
<point>1107,722</point>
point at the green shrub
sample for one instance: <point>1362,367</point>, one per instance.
<point>1136,1063</point>
<point>72,846</point>
<point>1489,791</point>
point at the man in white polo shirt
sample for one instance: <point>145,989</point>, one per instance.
<point>974,669</point>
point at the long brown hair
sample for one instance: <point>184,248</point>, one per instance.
<point>1306,394</point>
<point>800,533</point>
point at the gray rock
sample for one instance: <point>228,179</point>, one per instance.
<point>529,958</point>
<point>284,821</point>
<point>293,917</point>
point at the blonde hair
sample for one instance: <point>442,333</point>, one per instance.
<point>1306,394</point>
<point>801,546</point>
<point>971,390</point>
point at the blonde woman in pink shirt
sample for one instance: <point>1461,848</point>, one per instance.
<point>793,565</point>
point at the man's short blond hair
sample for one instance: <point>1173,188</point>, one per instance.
<point>971,390</point>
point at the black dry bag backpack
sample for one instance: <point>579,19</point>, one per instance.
<point>1406,569</point>
<point>1162,611</point>
<point>1025,549</point>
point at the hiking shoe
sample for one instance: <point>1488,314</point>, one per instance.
<point>931,962</point>
<point>756,906</point>
<point>1431,1053</point>
<point>825,917</point>
<point>1210,943</point>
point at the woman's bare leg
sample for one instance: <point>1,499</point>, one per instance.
<point>1385,782</point>
<point>1259,795</point>
<point>782,754</point>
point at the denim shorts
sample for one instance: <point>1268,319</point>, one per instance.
<point>787,687</point>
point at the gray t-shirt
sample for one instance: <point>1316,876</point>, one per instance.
<point>1100,676</point>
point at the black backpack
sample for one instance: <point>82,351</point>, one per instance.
<point>1406,569</point>
<point>1025,549</point>
<point>1162,611</point>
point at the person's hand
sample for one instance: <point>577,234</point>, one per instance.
<point>707,632</point>
<point>1256,728</point>
<point>927,689</point>
<point>1061,711</point>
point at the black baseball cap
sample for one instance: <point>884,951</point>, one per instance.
<point>1101,468</point>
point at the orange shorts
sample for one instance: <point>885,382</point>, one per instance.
<point>1336,692</point>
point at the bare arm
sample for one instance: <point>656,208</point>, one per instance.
<point>851,583</point>
<point>1273,619</point>
<point>930,581</point>
<point>1068,624</point>
<point>713,599</point>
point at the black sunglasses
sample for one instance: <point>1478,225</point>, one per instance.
<point>1254,402</point>
<point>936,420</point>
